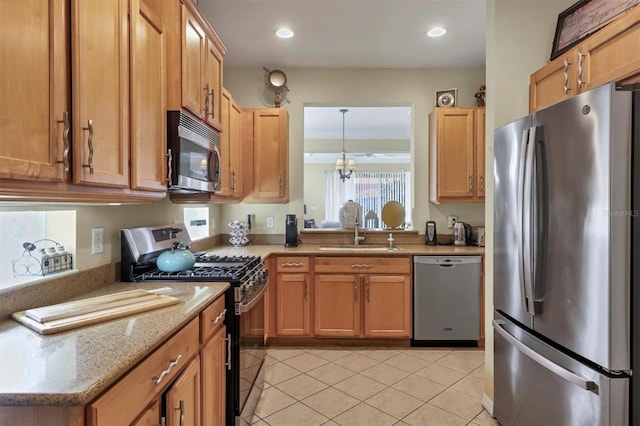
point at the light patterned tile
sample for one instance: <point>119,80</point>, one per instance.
<point>458,363</point>
<point>359,387</point>
<point>384,373</point>
<point>443,375</point>
<point>272,400</point>
<point>407,363</point>
<point>379,354</point>
<point>279,372</point>
<point>330,373</point>
<point>457,403</point>
<point>429,415</point>
<point>474,354</point>
<point>430,355</point>
<point>305,362</point>
<point>255,419</point>
<point>484,419</point>
<point>472,386</point>
<point>301,386</point>
<point>297,414</point>
<point>364,415</point>
<point>269,360</point>
<point>330,402</point>
<point>356,362</point>
<point>330,423</point>
<point>331,354</point>
<point>393,402</point>
<point>478,373</point>
<point>260,423</point>
<point>419,387</point>
<point>282,354</point>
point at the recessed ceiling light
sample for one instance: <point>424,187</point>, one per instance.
<point>436,32</point>
<point>284,33</point>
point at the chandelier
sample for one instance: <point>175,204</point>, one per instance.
<point>342,166</point>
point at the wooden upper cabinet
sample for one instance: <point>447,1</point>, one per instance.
<point>610,54</point>
<point>34,107</point>
<point>453,147</point>
<point>231,151</point>
<point>480,128</point>
<point>270,139</point>
<point>212,90</point>
<point>100,72</point>
<point>148,98</point>
<point>194,43</point>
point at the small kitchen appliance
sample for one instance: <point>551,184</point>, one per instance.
<point>477,236</point>
<point>461,234</point>
<point>291,231</point>
<point>430,235</point>
<point>249,279</point>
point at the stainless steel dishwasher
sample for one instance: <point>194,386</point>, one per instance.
<point>446,300</point>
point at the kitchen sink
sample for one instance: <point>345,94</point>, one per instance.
<point>358,248</point>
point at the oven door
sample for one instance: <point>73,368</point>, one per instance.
<point>252,352</point>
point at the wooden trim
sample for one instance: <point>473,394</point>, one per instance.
<point>342,342</point>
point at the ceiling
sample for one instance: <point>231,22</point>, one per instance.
<point>359,122</point>
<point>350,33</point>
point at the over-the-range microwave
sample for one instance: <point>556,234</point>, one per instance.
<point>193,155</point>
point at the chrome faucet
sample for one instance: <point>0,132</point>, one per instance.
<point>356,238</point>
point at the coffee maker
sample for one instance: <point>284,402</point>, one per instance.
<point>291,231</point>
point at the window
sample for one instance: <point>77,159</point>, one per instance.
<point>372,190</point>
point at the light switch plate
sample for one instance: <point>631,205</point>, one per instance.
<point>97,240</point>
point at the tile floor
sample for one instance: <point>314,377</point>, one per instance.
<point>371,386</point>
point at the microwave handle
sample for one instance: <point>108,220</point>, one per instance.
<point>214,168</point>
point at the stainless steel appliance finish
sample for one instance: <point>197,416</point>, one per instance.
<point>249,279</point>
<point>446,299</point>
<point>563,213</point>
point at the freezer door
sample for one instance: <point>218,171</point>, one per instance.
<point>510,144</point>
<point>538,385</point>
<point>582,216</point>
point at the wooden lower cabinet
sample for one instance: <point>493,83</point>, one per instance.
<point>387,306</point>
<point>293,305</point>
<point>214,370</point>
<point>183,397</point>
<point>336,305</point>
<point>150,416</point>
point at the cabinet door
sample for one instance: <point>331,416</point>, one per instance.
<point>455,142</point>
<point>214,379</point>
<point>148,102</point>
<point>150,416</point>
<point>225,148</point>
<point>337,305</point>
<point>387,306</point>
<point>270,155</point>
<point>34,84</point>
<point>236,150</point>
<point>610,54</point>
<point>213,85</point>
<point>554,82</point>
<point>293,305</point>
<point>100,71</point>
<point>194,43</point>
<point>480,120</point>
<point>183,397</point>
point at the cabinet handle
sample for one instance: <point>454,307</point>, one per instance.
<point>470,183</point>
<point>220,316</point>
<point>361,265</point>
<point>181,408</point>
<point>90,143</point>
<point>233,180</point>
<point>292,265</point>
<point>172,363</point>
<point>306,286</point>
<point>228,363</point>
<point>65,139</point>
<point>280,185</point>
<point>580,80</point>
<point>368,290</point>
<point>566,77</point>
<point>169,166</point>
<point>213,104</point>
<point>355,289</point>
<point>206,100</point>
<point>482,183</point>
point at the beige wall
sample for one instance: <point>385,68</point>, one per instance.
<point>355,87</point>
<point>519,38</point>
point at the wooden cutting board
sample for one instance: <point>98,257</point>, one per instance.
<point>66,316</point>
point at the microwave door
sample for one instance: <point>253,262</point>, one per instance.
<point>214,168</point>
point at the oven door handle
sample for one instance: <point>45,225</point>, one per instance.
<point>246,307</point>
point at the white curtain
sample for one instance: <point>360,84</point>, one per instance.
<point>372,190</point>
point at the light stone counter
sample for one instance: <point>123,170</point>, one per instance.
<point>73,367</point>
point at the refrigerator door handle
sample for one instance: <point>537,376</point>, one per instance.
<point>520,215</point>
<point>545,362</point>
<point>527,221</point>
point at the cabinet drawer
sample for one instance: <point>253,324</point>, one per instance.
<point>212,318</point>
<point>293,264</point>
<point>364,265</point>
<point>122,403</point>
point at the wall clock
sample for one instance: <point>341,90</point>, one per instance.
<point>447,98</point>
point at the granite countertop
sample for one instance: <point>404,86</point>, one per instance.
<point>73,367</point>
<point>320,250</point>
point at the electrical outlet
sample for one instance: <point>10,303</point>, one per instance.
<point>451,220</point>
<point>97,240</point>
<point>213,223</point>
<point>270,222</point>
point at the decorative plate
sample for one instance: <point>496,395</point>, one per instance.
<point>393,214</point>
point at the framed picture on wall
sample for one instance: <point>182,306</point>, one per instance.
<point>583,19</point>
<point>447,98</point>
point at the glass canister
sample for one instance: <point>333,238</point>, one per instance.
<point>350,215</point>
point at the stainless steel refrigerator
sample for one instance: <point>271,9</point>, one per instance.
<point>566,260</point>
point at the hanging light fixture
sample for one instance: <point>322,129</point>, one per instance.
<point>342,166</point>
